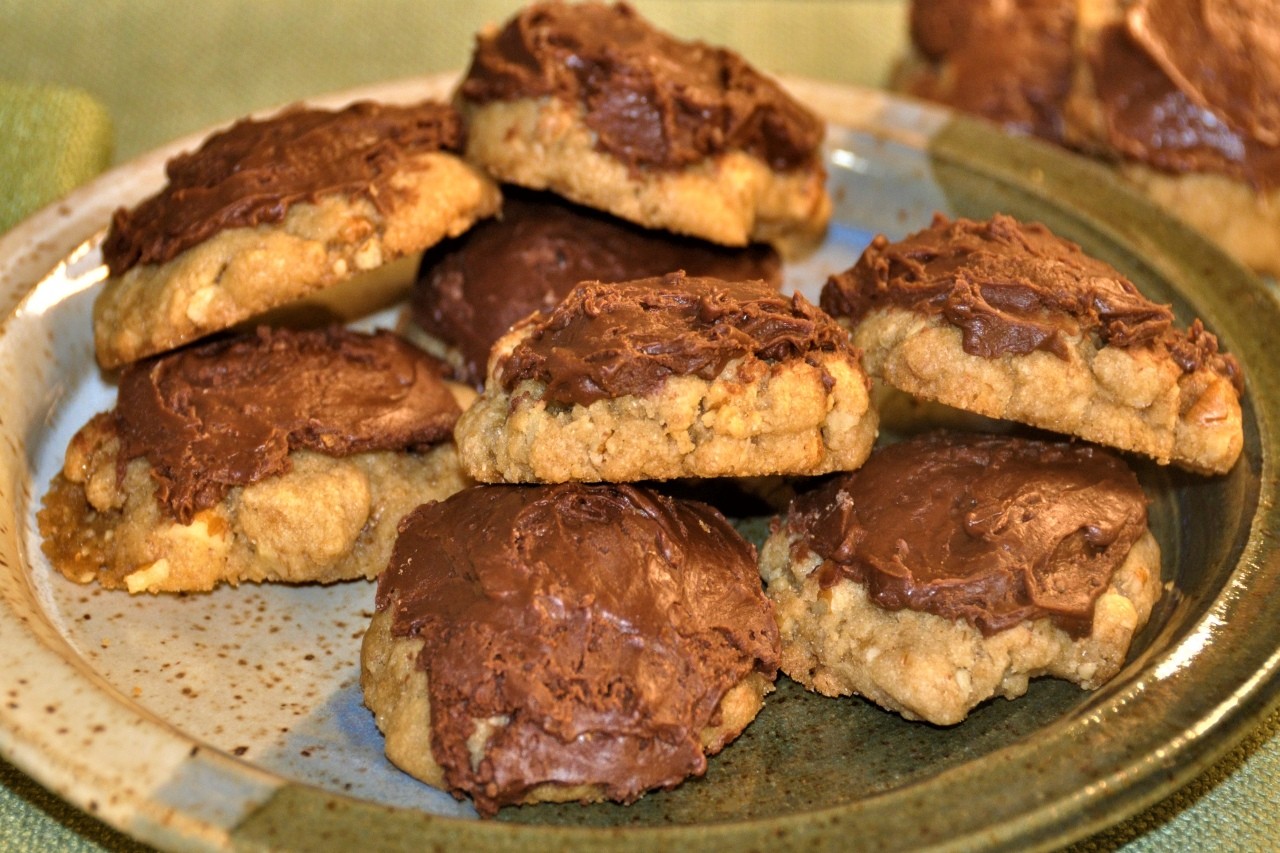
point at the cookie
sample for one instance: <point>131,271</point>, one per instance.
<point>1188,104</point>
<point>569,642</point>
<point>267,212</point>
<point>592,102</point>
<point>952,568</point>
<point>1182,104</point>
<point>670,377</point>
<point>1012,63</point>
<point>270,456</point>
<point>471,290</point>
<point>1007,320</point>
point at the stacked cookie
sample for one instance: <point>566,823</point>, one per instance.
<point>269,211</point>
<point>1179,98</point>
<point>268,454</point>
<point>568,630</point>
<point>596,323</point>
<point>956,566</point>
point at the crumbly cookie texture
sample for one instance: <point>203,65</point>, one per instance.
<point>800,417</point>
<point>396,691</point>
<point>836,641</point>
<point>326,519</point>
<point>1128,398</point>
<point>241,272</point>
<point>734,198</point>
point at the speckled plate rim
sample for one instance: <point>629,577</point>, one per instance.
<point>1106,762</point>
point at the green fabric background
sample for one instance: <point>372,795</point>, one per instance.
<point>75,75</point>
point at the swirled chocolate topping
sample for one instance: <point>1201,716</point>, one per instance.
<point>1011,63</point>
<point>1194,86</point>
<point>992,530</point>
<point>602,624</point>
<point>654,101</point>
<point>472,289</point>
<point>608,341</point>
<point>228,413</point>
<point>254,171</point>
<point>1013,288</point>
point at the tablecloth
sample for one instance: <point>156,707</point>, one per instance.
<point>154,70</point>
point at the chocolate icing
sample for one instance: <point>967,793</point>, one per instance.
<point>228,413</point>
<point>1009,62</point>
<point>610,341</point>
<point>254,171</point>
<point>1150,119</point>
<point>653,101</point>
<point>1013,288</point>
<point>604,623</point>
<point>991,530</point>
<point>1224,54</point>
<point>472,289</point>
<point>1182,85</point>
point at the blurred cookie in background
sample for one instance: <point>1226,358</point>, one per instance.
<point>1181,98</point>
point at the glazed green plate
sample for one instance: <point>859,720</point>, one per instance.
<point>234,720</point>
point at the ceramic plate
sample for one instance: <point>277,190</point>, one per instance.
<point>234,719</point>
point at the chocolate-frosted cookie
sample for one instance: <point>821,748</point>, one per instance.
<point>591,101</point>
<point>1181,97</point>
<point>571,642</point>
<point>1008,320</point>
<point>269,211</point>
<point>471,290</point>
<point>669,377</point>
<point>275,456</point>
<point>955,567</point>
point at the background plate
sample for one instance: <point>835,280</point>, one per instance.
<point>234,719</point>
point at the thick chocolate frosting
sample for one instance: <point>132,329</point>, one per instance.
<point>1013,288</point>
<point>1200,100</point>
<point>1009,62</point>
<point>254,171</point>
<point>603,623</point>
<point>652,100</point>
<point>991,530</point>
<point>472,289</point>
<point>609,341</point>
<point>228,413</point>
